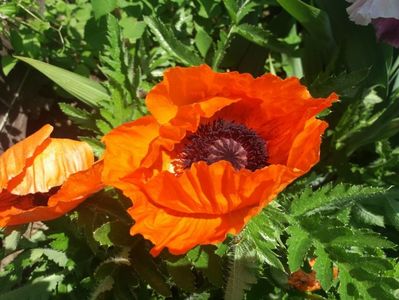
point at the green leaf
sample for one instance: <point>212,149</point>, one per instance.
<point>238,12</point>
<point>171,44</point>
<point>330,199</point>
<point>206,260</point>
<point>11,241</point>
<point>313,19</point>
<point>323,267</point>
<point>56,256</point>
<point>362,239</point>
<point>180,270</point>
<point>263,232</point>
<point>243,272</point>
<point>367,217</point>
<point>8,10</point>
<point>39,288</point>
<point>79,116</point>
<point>298,245</point>
<point>103,286</point>
<point>8,63</point>
<point>60,241</point>
<point>144,265</point>
<point>88,91</point>
<point>112,233</point>
<point>346,289</point>
<point>202,40</point>
<point>232,8</point>
<point>103,126</point>
<point>103,7</point>
<point>132,29</point>
<point>392,212</point>
<point>96,145</point>
<point>263,38</point>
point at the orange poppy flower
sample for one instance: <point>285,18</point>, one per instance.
<point>307,282</point>
<point>42,178</point>
<point>217,148</point>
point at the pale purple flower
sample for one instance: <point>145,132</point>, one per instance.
<point>383,14</point>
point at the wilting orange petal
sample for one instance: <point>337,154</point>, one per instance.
<point>52,166</point>
<point>15,159</point>
<point>76,189</point>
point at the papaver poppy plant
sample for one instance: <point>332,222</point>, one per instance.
<point>42,178</point>
<point>217,148</point>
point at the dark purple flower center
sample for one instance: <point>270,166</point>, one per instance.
<point>223,140</point>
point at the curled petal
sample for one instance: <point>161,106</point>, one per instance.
<point>185,86</point>
<point>16,159</point>
<point>53,165</point>
<point>76,189</point>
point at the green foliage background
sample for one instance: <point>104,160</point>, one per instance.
<point>345,212</point>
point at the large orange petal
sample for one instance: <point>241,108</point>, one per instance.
<point>188,118</point>
<point>14,160</point>
<point>180,232</point>
<point>280,115</point>
<point>53,165</point>
<point>305,149</point>
<point>74,191</point>
<point>126,146</point>
<point>215,189</point>
<point>185,86</point>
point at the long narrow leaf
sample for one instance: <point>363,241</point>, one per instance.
<point>88,91</point>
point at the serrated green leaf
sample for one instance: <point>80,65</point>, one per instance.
<point>56,256</point>
<point>367,217</point>
<point>39,288</point>
<point>246,8</point>
<point>263,38</point>
<point>171,44</point>
<point>243,272</point>
<point>323,267</point>
<point>103,126</point>
<point>346,288</point>
<point>206,260</point>
<point>331,198</point>
<point>60,241</point>
<point>362,239</point>
<point>238,12</point>
<point>232,8</point>
<point>11,241</point>
<point>180,271</point>
<point>103,286</point>
<point>144,265</point>
<point>298,245</point>
<point>77,115</point>
<point>112,233</point>
<point>88,91</point>
<point>97,146</point>
<point>392,212</point>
